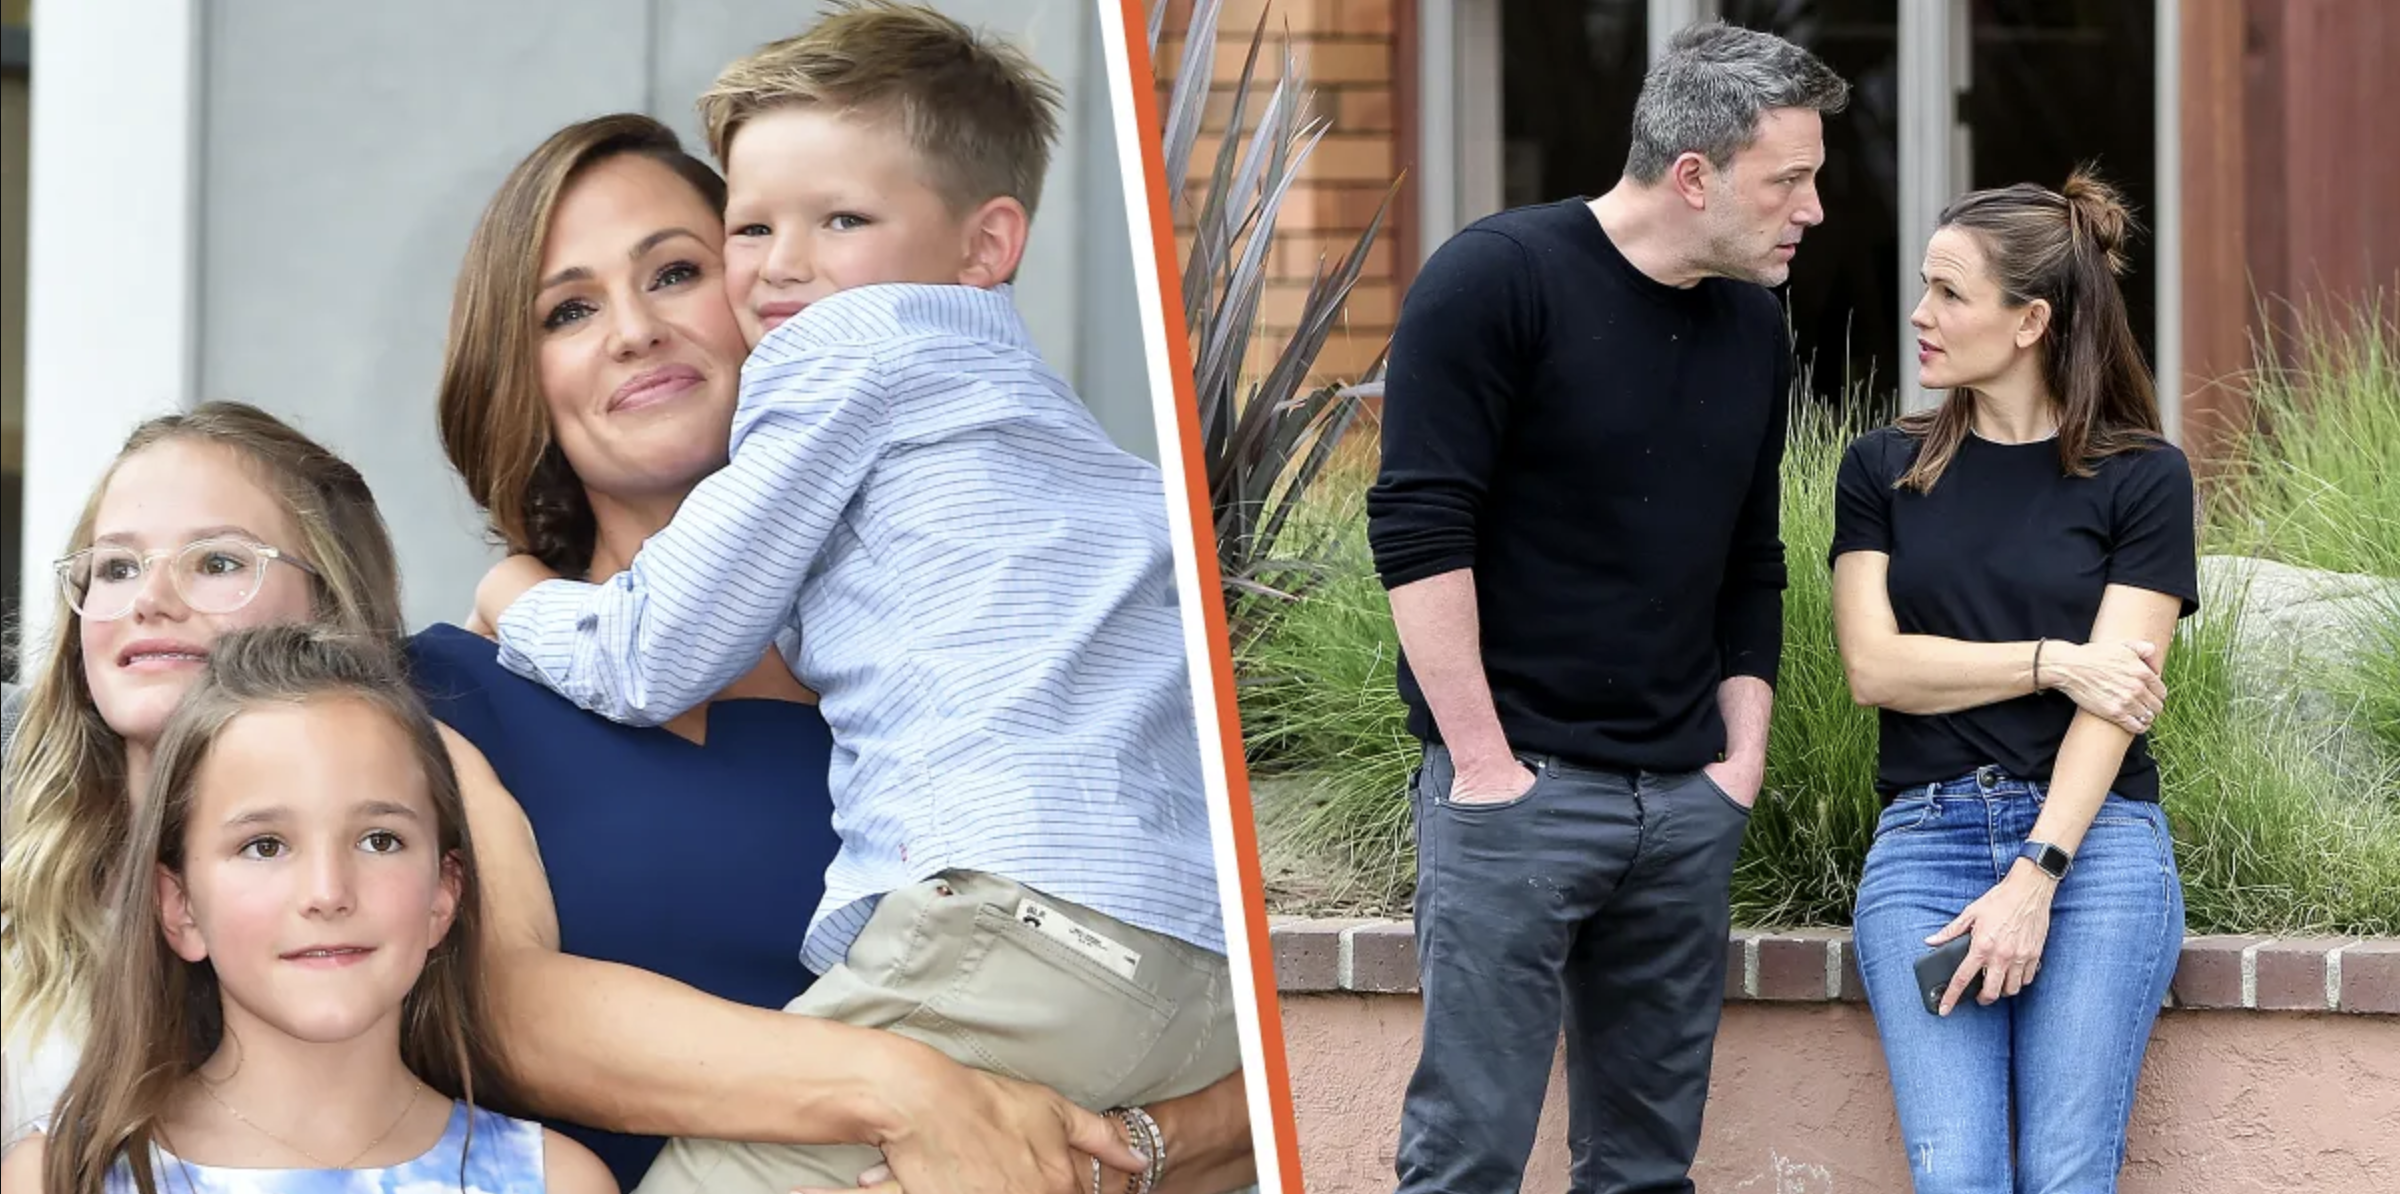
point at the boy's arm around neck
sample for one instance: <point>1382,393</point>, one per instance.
<point>704,598</point>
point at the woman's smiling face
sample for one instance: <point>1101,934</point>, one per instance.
<point>640,358</point>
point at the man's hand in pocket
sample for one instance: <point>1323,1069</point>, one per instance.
<point>1739,782</point>
<point>1498,782</point>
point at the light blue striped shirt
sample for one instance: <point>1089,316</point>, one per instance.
<point>986,607</point>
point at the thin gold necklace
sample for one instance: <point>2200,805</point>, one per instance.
<point>416,1088</point>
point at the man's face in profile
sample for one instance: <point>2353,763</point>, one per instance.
<point>1761,203</point>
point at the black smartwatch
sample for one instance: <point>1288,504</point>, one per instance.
<point>2051,859</point>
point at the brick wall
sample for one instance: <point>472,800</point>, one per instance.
<point>2273,1067</point>
<point>2293,974</point>
<point>1345,48</point>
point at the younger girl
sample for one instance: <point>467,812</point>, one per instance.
<point>294,1002</point>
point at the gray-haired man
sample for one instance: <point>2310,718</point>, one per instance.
<point>1576,518</point>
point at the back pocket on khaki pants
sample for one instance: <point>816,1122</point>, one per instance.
<point>1011,1000</point>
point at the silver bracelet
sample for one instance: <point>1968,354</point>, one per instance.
<point>1150,1141</point>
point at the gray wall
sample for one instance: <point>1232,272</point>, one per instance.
<point>346,150</point>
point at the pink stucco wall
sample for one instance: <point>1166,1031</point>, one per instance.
<point>2239,1102</point>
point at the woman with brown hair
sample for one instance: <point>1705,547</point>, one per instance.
<point>643,947</point>
<point>2008,572</point>
<point>207,522</point>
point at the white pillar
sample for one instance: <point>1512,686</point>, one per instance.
<point>1438,151</point>
<point>111,319</point>
<point>2167,135</point>
<point>1482,134</point>
<point>1668,16</point>
<point>1934,156</point>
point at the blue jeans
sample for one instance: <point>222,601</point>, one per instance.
<point>2063,1054</point>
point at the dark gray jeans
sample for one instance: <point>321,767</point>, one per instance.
<point>1598,899</point>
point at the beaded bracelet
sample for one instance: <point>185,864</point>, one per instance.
<point>1154,1143</point>
<point>1143,1134</point>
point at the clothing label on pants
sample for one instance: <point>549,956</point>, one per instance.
<point>1092,945</point>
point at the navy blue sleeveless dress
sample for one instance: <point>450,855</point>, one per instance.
<point>699,863</point>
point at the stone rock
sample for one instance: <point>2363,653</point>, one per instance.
<point>2295,629</point>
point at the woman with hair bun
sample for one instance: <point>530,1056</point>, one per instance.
<point>2009,568</point>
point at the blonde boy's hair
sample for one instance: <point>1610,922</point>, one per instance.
<point>977,111</point>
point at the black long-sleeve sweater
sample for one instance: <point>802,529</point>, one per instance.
<point>1602,449</point>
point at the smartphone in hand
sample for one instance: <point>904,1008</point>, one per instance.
<point>1937,968</point>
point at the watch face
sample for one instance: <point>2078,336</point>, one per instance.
<point>2048,857</point>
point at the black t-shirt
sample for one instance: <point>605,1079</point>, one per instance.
<point>2009,548</point>
<point>1602,450</point>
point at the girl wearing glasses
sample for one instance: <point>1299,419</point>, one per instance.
<point>207,522</point>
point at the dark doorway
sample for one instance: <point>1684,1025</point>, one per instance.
<point>1570,71</point>
<point>2060,83</point>
<point>2052,84</point>
<point>1570,74</point>
<point>1844,296</point>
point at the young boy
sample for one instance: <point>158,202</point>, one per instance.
<point>979,583</point>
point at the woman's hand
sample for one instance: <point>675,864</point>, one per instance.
<point>1208,1147</point>
<point>878,1180</point>
<point>2118,681</point>
<point>963,1131</point>
<point>2011,922</point>
<point>1207,1138</point>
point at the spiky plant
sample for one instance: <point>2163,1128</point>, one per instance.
<point>1266,437</point>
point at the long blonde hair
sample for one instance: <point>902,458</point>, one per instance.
<point>67,816</point>
<point>156,1018</point>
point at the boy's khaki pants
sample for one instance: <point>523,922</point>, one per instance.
<point>1004,979</point>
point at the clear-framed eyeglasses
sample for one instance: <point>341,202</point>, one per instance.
<point>216,575</point>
